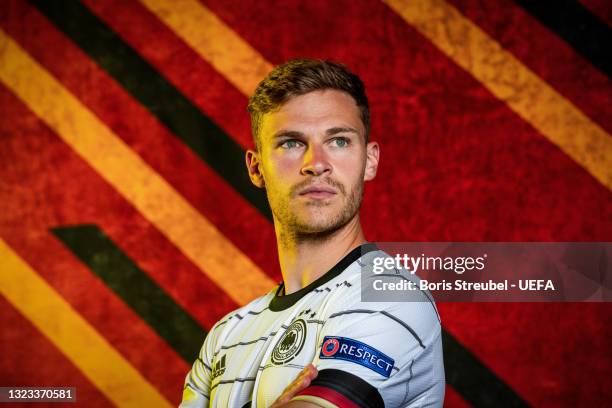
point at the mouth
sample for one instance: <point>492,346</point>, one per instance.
<point>318,192</point>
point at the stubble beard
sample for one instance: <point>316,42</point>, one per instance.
<point>315,227</point>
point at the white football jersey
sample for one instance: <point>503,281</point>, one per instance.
<point>368,354</point>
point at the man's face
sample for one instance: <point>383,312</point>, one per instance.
<point>313,160</point>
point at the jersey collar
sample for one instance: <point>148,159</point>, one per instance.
<point>280,302</point>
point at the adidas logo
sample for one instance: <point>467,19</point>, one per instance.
<point>218,367</point>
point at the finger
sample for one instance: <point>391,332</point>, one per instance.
<point>312,371</point>
<point>295,387</point>
<point>302,381</point>
<point>308,372</point>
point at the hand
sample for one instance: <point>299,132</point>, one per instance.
<point>302,381</point>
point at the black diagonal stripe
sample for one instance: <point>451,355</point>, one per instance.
<point>473,380</point>
<point>134,287</point>
<point>156,94</point>
<point>582,30</point>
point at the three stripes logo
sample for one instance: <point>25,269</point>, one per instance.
<point>218,367</point>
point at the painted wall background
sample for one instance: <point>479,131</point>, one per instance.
<point>128,225</point>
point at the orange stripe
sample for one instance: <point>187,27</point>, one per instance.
<point>133,178</point>
<point>555,117</point>
<point>213,40</point>
<point>73,335</point>
<point>506,77</point>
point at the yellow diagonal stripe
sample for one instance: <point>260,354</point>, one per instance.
<point>157,201</point>
<point>213,40</point>
<point>508,79</point>
<point>72,335</point>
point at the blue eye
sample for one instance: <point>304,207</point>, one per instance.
<point>341,142</point>
<point>290,144</point>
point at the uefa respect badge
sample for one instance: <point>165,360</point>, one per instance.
<point>342,348</point>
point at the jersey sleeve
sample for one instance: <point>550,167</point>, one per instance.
<point>379,354</point>
<point>196,390</point>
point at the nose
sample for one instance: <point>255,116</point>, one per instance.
<point>316,162</point>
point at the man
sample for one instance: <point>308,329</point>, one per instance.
<point>312,342</point>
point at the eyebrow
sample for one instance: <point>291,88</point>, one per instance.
<point>328,132</point>
<point>287,133</point>
<point>336,130</point>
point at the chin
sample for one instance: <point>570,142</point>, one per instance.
<point>320,224</point>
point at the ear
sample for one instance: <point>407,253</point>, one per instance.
<point>253,164</point>
<point>372,156</point>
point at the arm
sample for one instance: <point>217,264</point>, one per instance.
<point>196,391</point>
<point>376,354</point>
<point>415,376</point>
<point>308,391</point>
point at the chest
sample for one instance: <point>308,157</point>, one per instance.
<point>256,358</point>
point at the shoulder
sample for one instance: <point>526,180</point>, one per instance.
<point>413,312</point>
<point>255,307</point>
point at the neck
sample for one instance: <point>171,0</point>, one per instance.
<point>303,259</point>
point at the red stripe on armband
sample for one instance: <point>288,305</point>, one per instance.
<point>330,395</point>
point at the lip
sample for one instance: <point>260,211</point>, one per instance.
<point>318,192</point>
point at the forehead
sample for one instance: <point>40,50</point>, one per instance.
<point>313,113</point>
